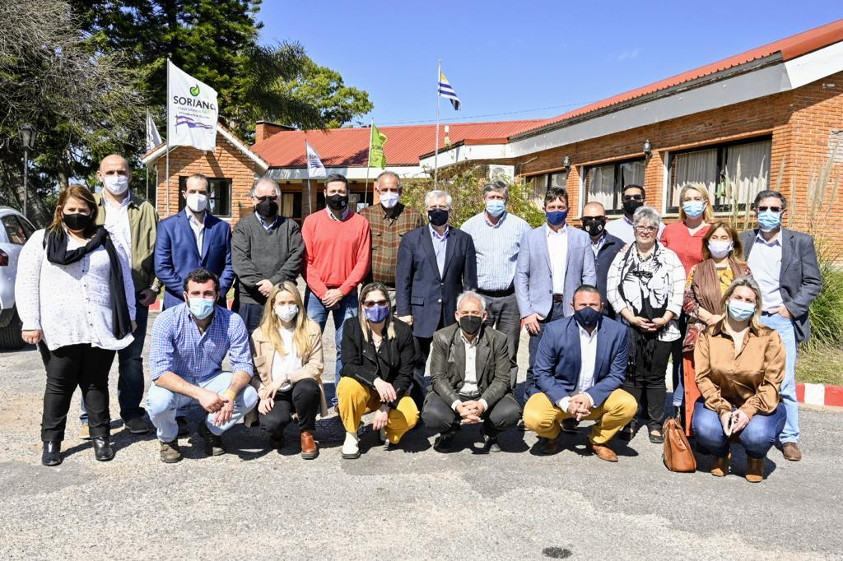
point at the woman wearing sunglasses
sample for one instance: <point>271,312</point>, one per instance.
<point>378,355</point>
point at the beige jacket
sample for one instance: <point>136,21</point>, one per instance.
<point>312,366</point>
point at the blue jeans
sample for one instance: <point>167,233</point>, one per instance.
<point>130,367</point>
<point>757,437</point>
<point>788,390</point>
<point>347,308</point>
<point>162,405</point>
<point>251,315</point>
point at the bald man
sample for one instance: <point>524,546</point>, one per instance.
<point>604,246</point>
<point>133,223</point>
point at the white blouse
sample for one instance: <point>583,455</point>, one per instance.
<point>284,365</point>
<point>70,304</point>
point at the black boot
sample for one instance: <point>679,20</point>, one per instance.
<point>51,456</point>
<point>103,451</point>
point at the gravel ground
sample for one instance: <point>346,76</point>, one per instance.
<point>409,503</point>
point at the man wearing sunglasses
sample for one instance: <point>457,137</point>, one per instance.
<point>266,249</point>
<point>632,197</point>
<point>785,265</point>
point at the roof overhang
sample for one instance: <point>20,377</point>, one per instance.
<point>150,157</point>
<point>351,173</point>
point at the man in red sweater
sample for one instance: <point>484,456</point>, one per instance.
<point>338,256</point>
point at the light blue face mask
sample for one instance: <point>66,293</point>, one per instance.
<point>200,307</point>
<point>495,207</point>
<point>741,310</point>
<point>769,220</point>
<point>693,209</point>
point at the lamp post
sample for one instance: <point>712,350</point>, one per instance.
<point>27,137</point>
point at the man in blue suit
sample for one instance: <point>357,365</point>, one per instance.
<point>553,261</point>
<point>436,263</point>
<point>191,240</point>
<point>579,370</point>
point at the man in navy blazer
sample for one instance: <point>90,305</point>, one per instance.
<point>553,261</point>
<point>436,263</point>
<point>579,370</point>
<point>604,246</point>
<point>191,240</point>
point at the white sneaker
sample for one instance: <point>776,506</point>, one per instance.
<point>350,448</point>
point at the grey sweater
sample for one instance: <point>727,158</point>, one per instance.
<point>258,254</point>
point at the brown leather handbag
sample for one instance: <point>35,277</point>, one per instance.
<point>678,455</point>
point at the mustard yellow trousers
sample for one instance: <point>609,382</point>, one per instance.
<point>543,417</point>
<point>355,400</point>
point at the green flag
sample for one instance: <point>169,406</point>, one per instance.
<point>376,156</point>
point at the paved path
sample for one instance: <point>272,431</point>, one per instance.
<point>411,503</point>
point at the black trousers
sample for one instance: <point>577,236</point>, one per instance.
<point>303,399</point>
<point>83,366</point>
<point>439,417</point>
<point>645,377</point>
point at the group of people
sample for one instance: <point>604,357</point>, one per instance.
<point>605,307</point>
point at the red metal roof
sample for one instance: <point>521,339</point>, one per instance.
<point>350,147</point>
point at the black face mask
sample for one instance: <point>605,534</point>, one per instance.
<point>629,207</point>
<point>438,217</point>
<point>471,324</point>
<point>267,209</point>
<point>588,317</point>
<point>594,225</point>
<point>76,221</point>
<point>337,202</point>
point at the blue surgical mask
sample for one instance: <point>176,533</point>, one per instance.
<point>200,307</point>
<point>741,310</point>
<point>495,207</point>
<point>693,209</point>
<point>376,314</point>
<point>557,217</point>
<point>769,220</point>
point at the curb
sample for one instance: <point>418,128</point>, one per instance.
<point>820,394</point>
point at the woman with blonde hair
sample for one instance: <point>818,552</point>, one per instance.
<point>287,350</point>
<point>740,368</point>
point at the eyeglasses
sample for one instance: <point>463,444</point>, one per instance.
<point>770,208</point>
<point>373,303</point>
<point>272,198</point>
<point>646,229</point>
<point>633,197</point>
<point>438,207</point>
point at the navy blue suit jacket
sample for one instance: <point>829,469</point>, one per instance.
<point>420,291</point>
<point>611,246</point>
<point>558,360</point>
<point>176,255</point>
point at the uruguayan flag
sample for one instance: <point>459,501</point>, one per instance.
<point>314,163</point>
<point>446,91</point>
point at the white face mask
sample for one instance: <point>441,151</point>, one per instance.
<point>389,200</point>
<point>197,202</point>
<point>116,184</point>
<point>287,312</point>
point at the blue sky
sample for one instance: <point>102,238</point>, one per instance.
<point>523,60</point>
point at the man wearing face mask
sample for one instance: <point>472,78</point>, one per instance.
<point>469,378</point>
<point>604,246</point>
<point>785,265</point>
<point>390,221</point>
<point>580,368</point>
<point>266,249</point>
<point>189,343</point>
<point>632,197</point>
<point>133,223</point>
<point>435,264</point>
<point>497,241</point>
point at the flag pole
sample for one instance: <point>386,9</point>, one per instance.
<point>167,146</point>
<point>147,167</point>
<point>369,161</point>
<point>436,149</point>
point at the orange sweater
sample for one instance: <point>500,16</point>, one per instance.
<point>337,254</point>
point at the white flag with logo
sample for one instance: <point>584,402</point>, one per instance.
<point>153,138</point>
<point>191,109</point>
<point>314,164</point>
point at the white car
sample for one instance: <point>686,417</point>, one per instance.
<point>15,232</point>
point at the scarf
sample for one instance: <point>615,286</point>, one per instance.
<point>55,242</point>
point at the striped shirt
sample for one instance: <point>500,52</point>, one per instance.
<point>497,247</point>
<point>178,346</point>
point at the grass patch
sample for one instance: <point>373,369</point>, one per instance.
<point>820,365</point>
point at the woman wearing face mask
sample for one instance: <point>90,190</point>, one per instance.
<point>722,263</point>
<point>740,367</point>
<point>378,354</point>
<point>287,351</point>
<point>76,300</point>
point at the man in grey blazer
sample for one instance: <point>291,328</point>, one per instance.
<point>785,265</point>
<point>553,262</point>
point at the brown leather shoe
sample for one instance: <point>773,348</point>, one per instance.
<point>791,451</point>
<point>754,469</point>
<point>721,466</point>
<point>603,452</point>
<point>309,450</point>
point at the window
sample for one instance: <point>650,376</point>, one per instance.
<point>604,183</point>
<point>541,183</point>
<point>732,173</point>
<point>291,205</point>
<point>18,231</point>
<point>219,202</point>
